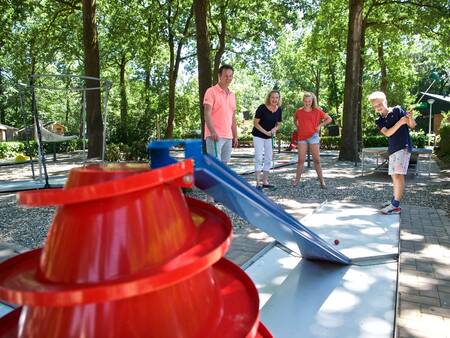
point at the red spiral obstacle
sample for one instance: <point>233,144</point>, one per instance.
<point>127,255</point>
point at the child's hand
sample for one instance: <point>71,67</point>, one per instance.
<point>403,120</point>
<point>409,114</point>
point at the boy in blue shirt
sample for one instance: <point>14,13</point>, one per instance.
<point>394,123</point>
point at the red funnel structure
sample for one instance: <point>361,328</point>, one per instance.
<point>127,255</point>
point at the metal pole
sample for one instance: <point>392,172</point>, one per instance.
<point>29,151</point>
<point>105,113</point>
<point>430,102</point>
<point>426,91</point>
<point>41,153</point>
<point>83,127</point>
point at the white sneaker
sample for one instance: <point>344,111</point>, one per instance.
<point>390,210</point>
<point>385,204</point>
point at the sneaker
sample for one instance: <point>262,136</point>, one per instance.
<point>385,204</point>
<point>390,210</point>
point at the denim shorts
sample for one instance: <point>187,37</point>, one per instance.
<point>314,139</point>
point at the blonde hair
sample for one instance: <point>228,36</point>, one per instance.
<point>314,99</point>
<point>377,96</point>
<point>267,102</point>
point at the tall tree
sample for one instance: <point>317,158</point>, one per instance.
<point>203,50</point>
<point>349,140</point>
<point>388,15</point>
<point>178,17</point>
<point>121,43</point>
<point>92,68</point>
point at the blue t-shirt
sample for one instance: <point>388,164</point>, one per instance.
<point>267,120</point>
<point>400,139</point>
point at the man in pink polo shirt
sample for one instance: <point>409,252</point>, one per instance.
<point>220,118</point>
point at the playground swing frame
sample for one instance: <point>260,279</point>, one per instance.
<point>103,86</point>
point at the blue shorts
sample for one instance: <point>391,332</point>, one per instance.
<point>314,139</point>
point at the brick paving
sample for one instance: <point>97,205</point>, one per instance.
<point>423,304</point>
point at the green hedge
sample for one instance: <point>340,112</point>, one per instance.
<point>444,143</point>
<point>12,149</point>
<point>333,142</point>
<point>137,151</point>
<point>330,142</point>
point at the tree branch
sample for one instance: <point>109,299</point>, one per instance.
<point>72,4</point>
<point>412,3</point>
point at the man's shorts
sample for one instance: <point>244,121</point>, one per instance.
<point>220,149</point>
<point>314,139</point>
<point>399,161</point>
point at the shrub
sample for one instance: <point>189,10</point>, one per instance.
<point>330,142</point>
<point>285,132</point>
<point>11,149</point>
<point>137,151</point>
<point>333,142</point>
<point>375,141</point>
<point>246,138</point>
<point>444,143</point>
<point>113,152</point>
<point>418,139</point>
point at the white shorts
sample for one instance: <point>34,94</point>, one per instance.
<point>399,161</point>
<point>220,149</point>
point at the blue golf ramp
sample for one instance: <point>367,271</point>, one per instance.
<point>228,188</point>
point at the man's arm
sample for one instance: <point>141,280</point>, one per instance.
<point>391,131</point>
<point>208,121</point>
<point>234,130</point>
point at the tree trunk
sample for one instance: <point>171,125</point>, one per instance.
<point>123,102</point>
<point>221,49</point>
<point>67,103</point>
<point>147,108</point>
<point>204,62</point>
<point>92,68</point>
<point>147,84</point>
<point>316,73</point>
<point>67,111</point>
<point>383,71</point>
<point>2,106</point>
<point>172,84</point>
<point>360,87</point>
<point>352,95</point>
<point>175,58</point>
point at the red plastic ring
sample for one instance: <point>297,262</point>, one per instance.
<point>126,185</point>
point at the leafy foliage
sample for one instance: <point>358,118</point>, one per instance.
<point>293,45</point>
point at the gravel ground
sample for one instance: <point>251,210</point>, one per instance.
<point>27,227</point>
